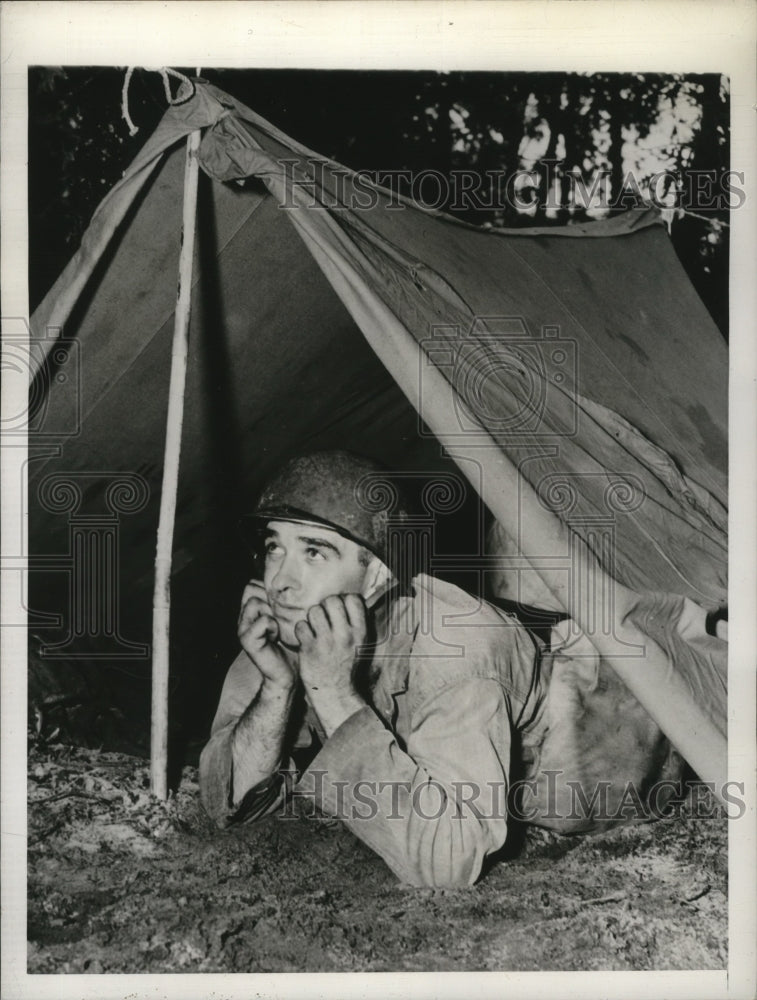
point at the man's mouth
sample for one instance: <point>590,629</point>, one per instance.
<point>287,609</point>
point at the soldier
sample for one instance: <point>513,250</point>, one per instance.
<point>413,698</point>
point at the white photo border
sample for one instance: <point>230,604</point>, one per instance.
<point>693,36</point>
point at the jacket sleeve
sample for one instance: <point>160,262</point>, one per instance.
<point>216,773</point>
<point>435,809</point>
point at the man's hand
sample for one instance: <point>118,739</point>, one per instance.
<point>329,641</point>
<point>258,631</point>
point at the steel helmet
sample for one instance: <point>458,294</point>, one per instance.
<point>348,493</point>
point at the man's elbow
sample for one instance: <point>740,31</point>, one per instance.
<point>215,779</point>
<point>453,854</point>
<point>446,866</point>
<point>214,803</point>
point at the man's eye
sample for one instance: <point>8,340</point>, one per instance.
<point>272,549</point>
<point>314,553</point>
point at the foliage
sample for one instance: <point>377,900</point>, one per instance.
<point>552,127</point>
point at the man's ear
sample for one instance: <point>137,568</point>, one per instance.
<point>377,578</point>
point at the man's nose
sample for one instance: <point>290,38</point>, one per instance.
<point>286,577</point>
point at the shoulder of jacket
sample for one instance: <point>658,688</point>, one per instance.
<point>469,636</point>
<point>450,601</point>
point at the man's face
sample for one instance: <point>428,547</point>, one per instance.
<point>305,564</point>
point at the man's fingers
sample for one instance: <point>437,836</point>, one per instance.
<point>336,613</point>
<point>254,588</point>
<point>355,607</point>
<point>303,632</point>
<point>317,619</point>
<point>253,608</point>
<point>263,626</point>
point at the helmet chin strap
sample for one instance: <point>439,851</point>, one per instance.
<point>378,579</point>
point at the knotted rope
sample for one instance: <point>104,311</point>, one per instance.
<point>185,92</point>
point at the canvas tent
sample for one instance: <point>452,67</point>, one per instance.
<point>570,375</point>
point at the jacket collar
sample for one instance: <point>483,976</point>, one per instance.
<point>387,657</point>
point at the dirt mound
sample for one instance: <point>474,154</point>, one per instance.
<point>120,883</point>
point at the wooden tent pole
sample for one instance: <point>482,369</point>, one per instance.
<point>162,592</point>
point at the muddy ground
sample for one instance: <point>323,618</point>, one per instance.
<point>119,883</point>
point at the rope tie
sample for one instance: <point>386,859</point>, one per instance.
<point>674,213</point>
<point>185,92</point>
<point>125,102</point>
